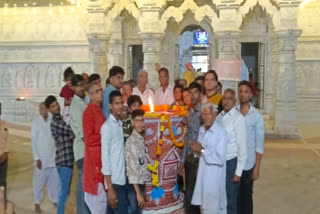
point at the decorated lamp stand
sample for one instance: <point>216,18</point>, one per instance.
<point>164,144</point>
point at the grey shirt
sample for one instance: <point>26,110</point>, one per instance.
<point>193,125</point>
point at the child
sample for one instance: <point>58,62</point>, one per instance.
<point>136,165</point>
<point>67,93</point>
<point>134,102</point>
<point>177,94</point>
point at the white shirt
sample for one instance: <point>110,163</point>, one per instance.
<point>164,98</point>
<point>144,96</point>
<point>43,146</point>
<point>210,188</point>
<point>235,125</point>
<point>112,150</point>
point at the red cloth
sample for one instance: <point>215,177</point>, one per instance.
<point>253,87</point>
<point>93,119</point>
<point>66,92</point>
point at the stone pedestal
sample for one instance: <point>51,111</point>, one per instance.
<point>285,109</point>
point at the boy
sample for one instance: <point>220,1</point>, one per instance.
<point>67,93</point>
<point>113,157</point>
<point>137,172</point>
<point>134,102</point>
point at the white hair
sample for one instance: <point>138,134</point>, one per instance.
<point>141,71</point>
<point>209,105</point>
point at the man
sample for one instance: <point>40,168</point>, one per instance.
<point>113,157</point>
<point>255,147</point>
<point>115,82</point>
<point>45,171</point>
<point>136,163</point>
<point>189,162</point>
<point>177,94</point>
<point>210,189</point>
<point>164,95</point>
<point>77,107</point>
<point>211,89</point>
<point>234,123</point>
<point>63,137</point>
<point>141,90</point>
<point>3,153</point>
<point>93,186</point>
<point>254,99</point>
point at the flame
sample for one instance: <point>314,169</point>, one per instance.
<point>151,104</point>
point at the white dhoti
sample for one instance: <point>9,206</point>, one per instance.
<point>97,204</point>
<point>45,177</point>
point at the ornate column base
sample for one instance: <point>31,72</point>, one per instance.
<point>286,120</point>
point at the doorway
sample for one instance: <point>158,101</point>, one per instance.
<point>252,53</point>
<point>135,60</point>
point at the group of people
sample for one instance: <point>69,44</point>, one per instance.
<point>102,131</point>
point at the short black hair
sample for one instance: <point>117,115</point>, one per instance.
<point>76,79</point>
<point>164,70</point>
<point>115,70</point>
<point>94,77</point>
<point>219,83</point>
<point>113,95</point>
<point>68,73</point>
<point>186,89</point>
<point>244,82</point>
<point>178,86</point>
<point>128,83</point>
<point>134,99</point>
<point>195,85</point>
<point>49,100</point>
<point>137,113</point>
<point>211,72</point>
<point>132,82</point>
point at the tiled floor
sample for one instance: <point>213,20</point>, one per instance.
<point>288,183</point>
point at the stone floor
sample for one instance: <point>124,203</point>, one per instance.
<point>288,184</point>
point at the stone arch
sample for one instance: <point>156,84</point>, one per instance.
<point>177,13</point>
<point>116,10</point>
<point>267,5</point>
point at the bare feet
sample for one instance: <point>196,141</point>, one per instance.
<point>37,208</point>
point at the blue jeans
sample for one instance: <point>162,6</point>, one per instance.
<point>123,205</point>
<point>81,205</point>
<point>232,188</point>
<point>132,198</point>
<point>65,177</point>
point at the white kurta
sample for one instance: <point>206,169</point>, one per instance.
<point>43,146</point>
<point>210,188</point>
<point>164,98</point>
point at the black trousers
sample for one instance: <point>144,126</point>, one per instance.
<point>3,176</point>
<point>191,170</point>
<point>245,201</point>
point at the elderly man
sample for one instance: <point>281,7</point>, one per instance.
<point>235,125</point>
<point>93,186</point>
<point>210,189</point>
<point>45,172</point>
<point>141,90</point>
<point>164,95</point>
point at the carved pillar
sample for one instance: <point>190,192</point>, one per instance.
<point>115,44</point>
<point>228,50</point>
<point>285,110</point>
<point>151,50</point>
<point>97,38</point>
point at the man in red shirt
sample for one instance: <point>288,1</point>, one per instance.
<point>93,182</point>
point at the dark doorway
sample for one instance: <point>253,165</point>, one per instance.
<point>137,61</point>
<point>252,54</point>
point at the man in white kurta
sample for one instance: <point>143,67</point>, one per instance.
<point>210,188</point>
<point>45,171</point>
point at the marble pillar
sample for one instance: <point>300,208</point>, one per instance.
<point>285,109</point>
